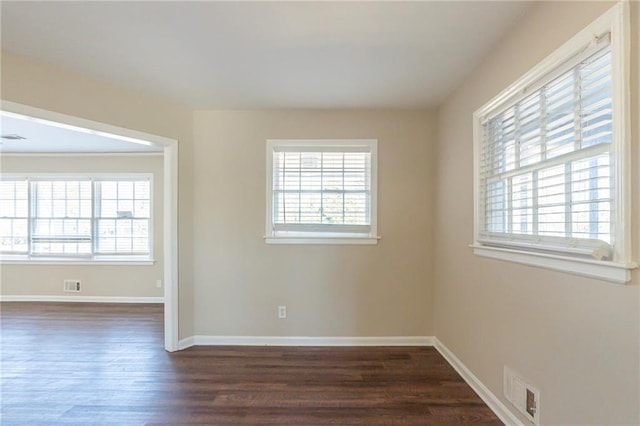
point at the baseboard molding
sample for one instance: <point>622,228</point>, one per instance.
<point>185,343</point>
<point>494,403</point>
<point>304,341</point>
<point>77,299</point>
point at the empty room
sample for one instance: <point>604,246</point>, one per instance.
<point>320,212</point>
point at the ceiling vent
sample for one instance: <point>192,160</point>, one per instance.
<point>13,137</point>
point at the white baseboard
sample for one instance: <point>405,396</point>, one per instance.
<point>85,299</point>
<point>304,341</point>
<point>494,403</point>
<point>185,343</point>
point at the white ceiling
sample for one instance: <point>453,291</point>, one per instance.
<point>321,54</point>
<point>48,137</point>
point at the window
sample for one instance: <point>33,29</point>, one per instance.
<point>550,161</point>
<point>123,211</point>
<point>321,191</point>
<point>14,216</point>
<point>81,218</point>
<point>61,218</point>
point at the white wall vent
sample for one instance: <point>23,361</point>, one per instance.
<point>522,395</point>
<point>71,286</point>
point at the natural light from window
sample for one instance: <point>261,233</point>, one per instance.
<point>321,189</point>
<point>76,217</point>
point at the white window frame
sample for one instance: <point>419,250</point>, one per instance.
<point>97,201</point>
<point>614,22</point>
<point>323,236</point>
<point>34,218</point>
<point>15,217</point>
<point>82,259</point>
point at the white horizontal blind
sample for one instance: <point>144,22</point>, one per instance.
<point>546,170</point>
<point>123,212</point>
<point>14,216</point>
<point>322,189</point>
<point>61,217</point>
<point>75,217</point>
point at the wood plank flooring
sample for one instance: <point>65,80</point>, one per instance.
<point>83,364</point>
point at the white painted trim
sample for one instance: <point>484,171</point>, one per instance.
<point>186,343</point>
<point>93,177</point>
<point>170,228</point>
<point>170,248</point>
<point>80,299</point>
<point>318,240</point>
<point>494,403</point>
<point>83,123</point>
<point>305,341</point>
<point>82,154</point>
<point>621,94</point>
<point>58,262</point>
<point>618,273</point>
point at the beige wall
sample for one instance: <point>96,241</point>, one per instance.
<point>119,281</point>
<point>576,339</point>
<point>381,290</point>
<point>344,290</point>
<point>36,84</point>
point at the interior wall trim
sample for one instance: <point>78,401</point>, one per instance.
<point>304,341</point>
<point>489,398</point>
<point>80,299</point>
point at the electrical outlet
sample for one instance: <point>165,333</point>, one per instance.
<point>282,312</point>
<point>158,283</point>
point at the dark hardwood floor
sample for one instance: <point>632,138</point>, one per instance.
<point>82,364</point>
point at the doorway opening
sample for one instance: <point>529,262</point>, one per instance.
<point>121,140</point>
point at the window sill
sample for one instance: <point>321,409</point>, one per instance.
<point>106,261</point>
<point>618,273</point>
<point>322,240</point>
